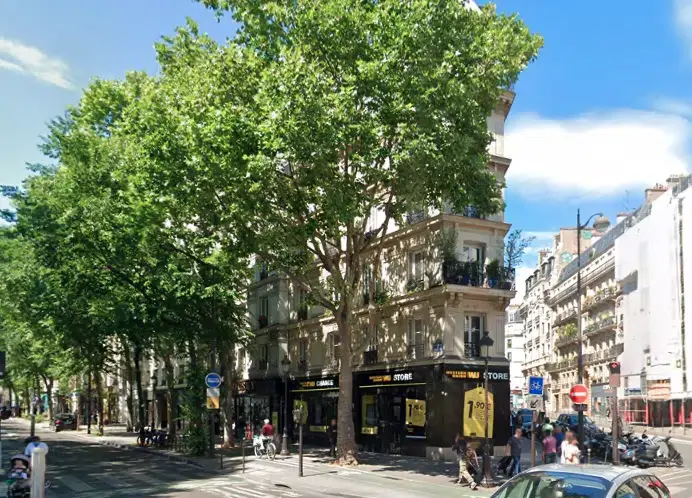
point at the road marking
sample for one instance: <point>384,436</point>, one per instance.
<point>75,484</point>
<point>247,492</point>
<point>146,478</point>
<point>112,481</point>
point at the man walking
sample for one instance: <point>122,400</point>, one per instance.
<point>331,434</point>
<point>513,449</point>
<point>549,447</point>
<point>463,452</point>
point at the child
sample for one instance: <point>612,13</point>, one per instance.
<point>20,468</point>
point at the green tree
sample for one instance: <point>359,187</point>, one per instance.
<point>364,107</point>
<point>515,247</point>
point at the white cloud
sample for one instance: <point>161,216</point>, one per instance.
<point>595,155</point>
<point>683,20</point>
<point>673,106</point>
<point>31,61</point>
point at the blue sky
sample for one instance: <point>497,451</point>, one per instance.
<point>602,114</point>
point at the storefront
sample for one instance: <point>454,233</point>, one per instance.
<point>601,400</point>
<point>391,410</point>
<point>319,400</point>
<point>255,401</point>
<point>464,407</point>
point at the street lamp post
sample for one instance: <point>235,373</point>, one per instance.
<point>285,368</point>
<point>154,380</point>
<point>488,478</point>
<point>601,223</point>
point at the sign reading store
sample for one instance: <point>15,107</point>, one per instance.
<point>467,374</point>
<point>390,378</point>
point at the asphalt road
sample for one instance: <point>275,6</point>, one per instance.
<point>80,469</point>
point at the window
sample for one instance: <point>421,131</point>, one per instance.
<point>241,358</point>
<point>333,347</point>
<point>264,306</point>
<point>263,352</point>
<point>650,487</point>
<point>472,253</point>
<point>509,357</point>
<point>303,345</point>
<point>417,266</point>
<point>625,490</point>
<point>539,484</point>
<point>415,338</point>
<point>509,346</point>
<point>473,325</point>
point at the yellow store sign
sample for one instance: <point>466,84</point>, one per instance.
<point>474,413</point>
<point>415,412</point>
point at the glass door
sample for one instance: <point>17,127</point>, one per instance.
<point>473,324</point>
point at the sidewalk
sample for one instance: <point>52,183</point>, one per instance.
<point>377,471</point>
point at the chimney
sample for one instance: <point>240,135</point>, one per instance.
<point>620,217</point>
<point>673,180</point>
<point>653,193</point>
<point>542,255</point>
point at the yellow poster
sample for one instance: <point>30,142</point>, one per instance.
<point>474,413</point>
<point>298,404</point>
<point>275,419</point>
<point>415,412</point>
<point>368,414</point>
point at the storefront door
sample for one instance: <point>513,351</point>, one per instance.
<point>392,425</point>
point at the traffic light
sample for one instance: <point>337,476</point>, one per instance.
<point>614,367</point>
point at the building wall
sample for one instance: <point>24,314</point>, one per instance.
<point>514,351</point>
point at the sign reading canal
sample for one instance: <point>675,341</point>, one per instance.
<point>474,413</point>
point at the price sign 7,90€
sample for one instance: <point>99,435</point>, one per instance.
<point>474,413</point>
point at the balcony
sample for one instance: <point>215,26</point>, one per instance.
<point>381,298</point>
<point>605,355</point>
<point>564,317</point>
<point>262,321</point>
<point>601,325</point>
<point>472,212</point>
<point>370,356</point>
<point>601,297</point>
<point>567,335</point>
<point>415,351</point>
<point>561,365</point>
<point>303,313</point>
<point>472,349</point>
<point>474,274</point>
<point>416,217</point>
<point>332,363</point>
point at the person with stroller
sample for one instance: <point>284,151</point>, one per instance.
<point>18,484</point>
<point>466,457</point>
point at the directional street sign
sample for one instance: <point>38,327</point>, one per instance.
<point>536,386</point>
<point>536,403</point>
<point>212,380</point>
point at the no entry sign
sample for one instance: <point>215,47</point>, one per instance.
<point>578,394</point>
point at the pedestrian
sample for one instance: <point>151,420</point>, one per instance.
<point>569,435</point>
<point>513,449</point>
<point>512,421</point>
<point>331,434</point>
<point>463,452</point>
<point>572,453</point>
<point>549,447</point>
<point>559,438</point>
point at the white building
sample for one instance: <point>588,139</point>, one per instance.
<point>514,349</point>
<point>650,265</point>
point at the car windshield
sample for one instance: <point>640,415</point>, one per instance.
<point>554,485</point>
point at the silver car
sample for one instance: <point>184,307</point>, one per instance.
<point>583,481</point>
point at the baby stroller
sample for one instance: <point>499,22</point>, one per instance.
<point>18,478</point>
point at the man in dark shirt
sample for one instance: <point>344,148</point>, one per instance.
<point>513,449</point>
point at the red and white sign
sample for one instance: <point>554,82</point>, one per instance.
<point>579,394</point>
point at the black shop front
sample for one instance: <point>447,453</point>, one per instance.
<point>255,401</point>
<point>464,409</point>
<point>391,410</point>
<point>318,398</point>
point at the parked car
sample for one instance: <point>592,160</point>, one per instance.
<point>64,421</point>
<point>570,421</point>
<point>585,481</point>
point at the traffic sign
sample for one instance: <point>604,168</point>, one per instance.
<point>536,403</point>
<point>579,394</point>
<point>212,380</point>
<point>536,386</point>
<point>213,396</point>
<point>580,407</point>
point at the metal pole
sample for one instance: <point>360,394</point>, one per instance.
<point>580,358</point>
<point>242,445</point>
<point>487,477</point>
<point>38,472</point>
<point>284,441</point>
<point>616,435</point>
<point>89,404</point>
<point>300,444</point>
<point>534,419</point>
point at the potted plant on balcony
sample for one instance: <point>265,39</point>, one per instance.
<point>493,271</point>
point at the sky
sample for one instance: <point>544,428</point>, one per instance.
<point>603,113</point>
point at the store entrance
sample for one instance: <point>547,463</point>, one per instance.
<point>392,420</point>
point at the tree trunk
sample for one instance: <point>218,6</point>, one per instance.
<point>196,421</point>
<point>228,372</point>
<point>171,398</point>
<point>137,358</point>
<point>49,393</point>
<point>129,374</point>
<point>99,403</point>
<point>346,433</point>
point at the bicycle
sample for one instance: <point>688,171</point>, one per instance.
<point>146,436</point>
<point>262,448</point>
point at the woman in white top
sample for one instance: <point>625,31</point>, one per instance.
<point>572,453</point>
<point>565,444</point>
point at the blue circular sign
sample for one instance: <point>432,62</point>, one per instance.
<point>213,380</point>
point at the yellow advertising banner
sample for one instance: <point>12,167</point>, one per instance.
<point>275,419</point>
<point>474,413</point>
<point>415,412</point>
<point>297,405</point>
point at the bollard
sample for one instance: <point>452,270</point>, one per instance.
<point>220,460</point>
<point>589,455</point>
<point>38,472</point>
<point>243,447</point>
<point>300,450</point>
